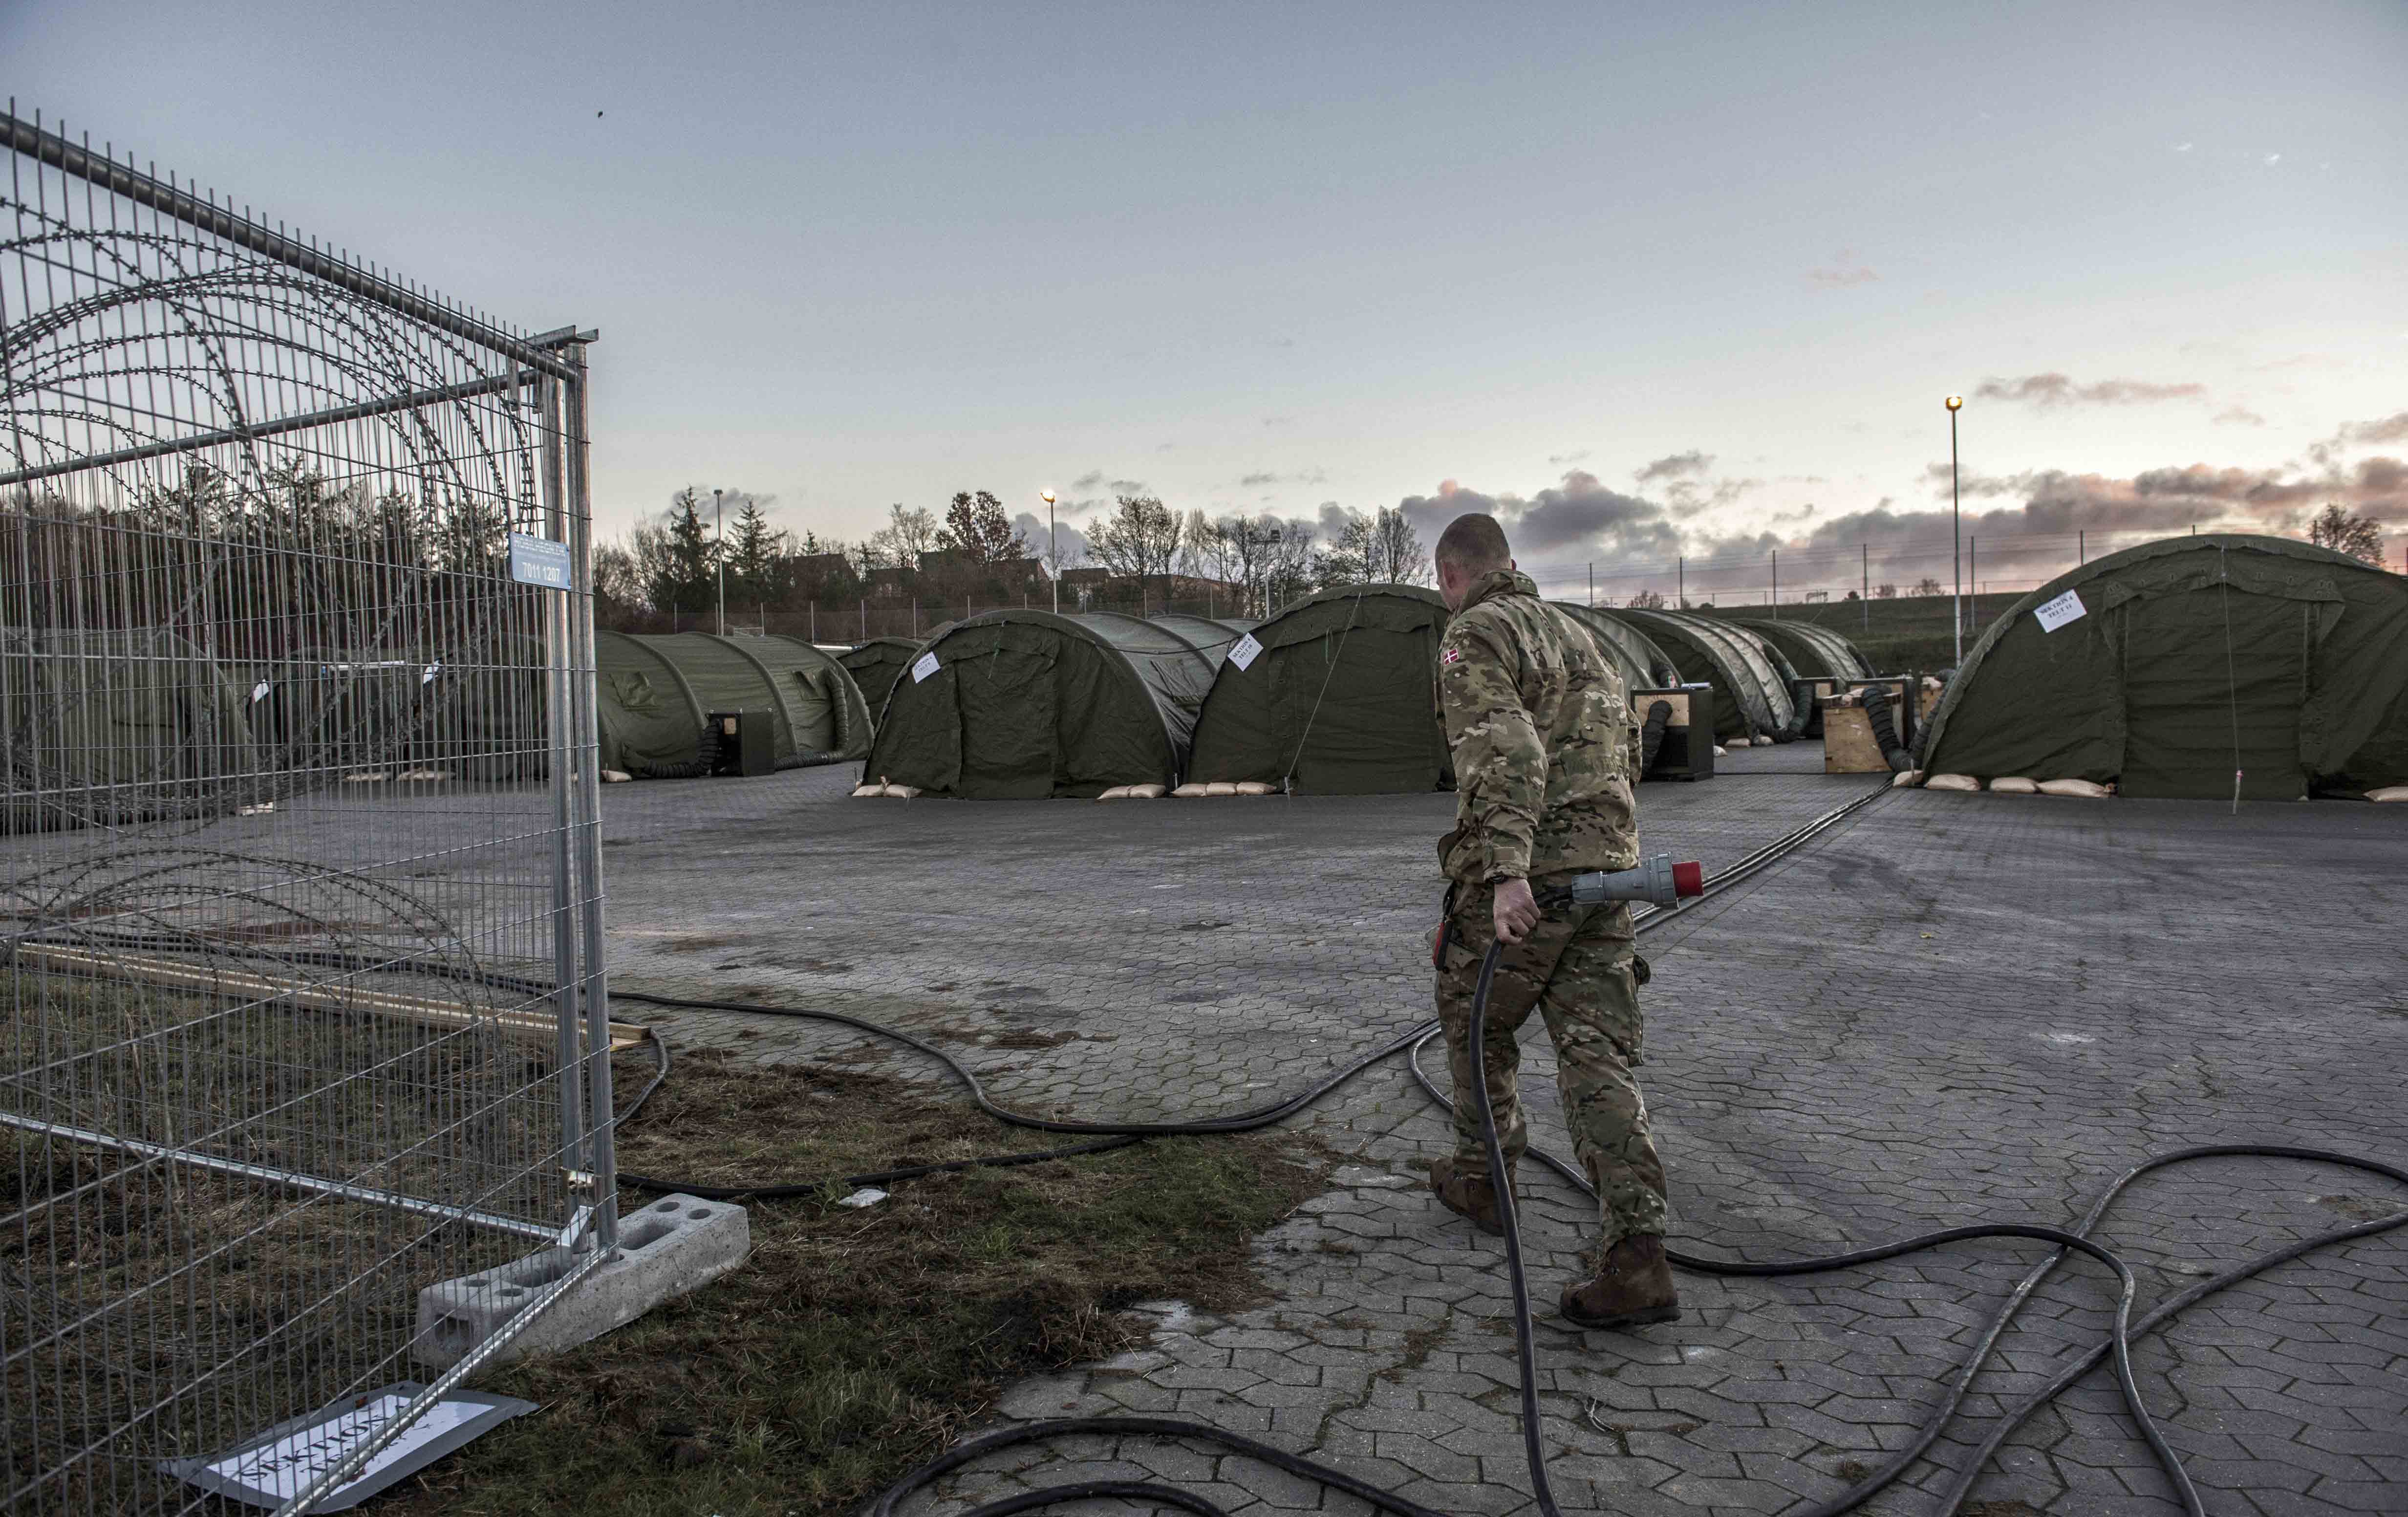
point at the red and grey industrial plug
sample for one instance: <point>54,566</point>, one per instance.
<point>1658,881</point>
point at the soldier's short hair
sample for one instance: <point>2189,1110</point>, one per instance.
<point>1474,541</point>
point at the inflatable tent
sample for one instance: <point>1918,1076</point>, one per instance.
<point>1754,698</point>
<point>654,695</point>
<point>1643,664</point>
<point>1213,635</point>
<point>2165,668</point>
<point>1817,651</point>
<point>876,664</point>
<point>117,727</point>
<point>1342,700</point>
<point>1024,704</point>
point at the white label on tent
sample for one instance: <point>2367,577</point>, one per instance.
<point>1245,652</point>
<point>925,665</point>
<point>2057,613</point>
<point>280,1470</point>
<point>259,692</point>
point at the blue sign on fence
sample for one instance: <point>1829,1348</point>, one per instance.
<point>537,560</point>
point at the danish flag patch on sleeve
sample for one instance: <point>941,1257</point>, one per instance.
<point>1450,654</point>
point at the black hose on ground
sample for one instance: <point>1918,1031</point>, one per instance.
<point>1651,733</point>
<point>1116,1134</point>
<point>2119,1342</point>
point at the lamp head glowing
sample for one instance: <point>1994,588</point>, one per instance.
<point>1046,496</point>
<point>1955,401</point>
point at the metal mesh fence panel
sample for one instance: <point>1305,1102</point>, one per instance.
<point>300,890</point>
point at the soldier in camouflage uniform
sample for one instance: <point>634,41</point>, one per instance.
<point>1545,755</point>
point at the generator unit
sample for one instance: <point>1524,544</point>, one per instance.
<point>743,743</point>
<point>1687,748</point>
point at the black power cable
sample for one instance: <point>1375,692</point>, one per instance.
<point>2118,1344</point>
<point>2077,1238</point>
<point>1117,1135</point>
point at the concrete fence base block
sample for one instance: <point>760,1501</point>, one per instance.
<point>672,1245</point>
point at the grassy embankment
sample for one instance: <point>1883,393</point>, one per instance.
<point>856,1344</point>
<point>1910,633</point>
<point>850,1346</point>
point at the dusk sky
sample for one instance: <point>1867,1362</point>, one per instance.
<point>1655,279</point>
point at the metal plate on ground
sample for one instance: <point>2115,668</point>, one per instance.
<point>280,1463</point>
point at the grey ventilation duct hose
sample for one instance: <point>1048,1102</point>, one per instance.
<point>1886,733</point>
<point>1651,732</point>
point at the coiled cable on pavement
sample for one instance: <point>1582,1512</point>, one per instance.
<point>1114,1135</point>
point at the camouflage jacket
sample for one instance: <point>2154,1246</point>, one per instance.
<point>1541,729</point>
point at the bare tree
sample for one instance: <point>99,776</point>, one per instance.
<point>2357,536</point>
<point>1884,592</point>
<point>1198,556</point>
<point>1286,568</point>
<point>915,531</point>
<point>1926,586</point>
<point>1392,551</point>
<point>1647,600</point>
<point>1141,541</point>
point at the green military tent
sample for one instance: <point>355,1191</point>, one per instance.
<point>1338,697</point>
<point>1643,664</point>
<point>2166,667</point>
<point>876,664</point>
<point>1817,651</point>
<point>1753,699</point>
<point>1026,704</point>
<point>1213,635</point>
<point>116,728</point>
<point>654,695</point>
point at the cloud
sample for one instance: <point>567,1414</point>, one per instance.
<point>2239,416</point>
<point>1580,515</point>
<point>2274,158</point>
<point>1279,421</point>
<point>2048,391</point>
<point>1073,541</point>
<point>2391,429</point>
<point>1559,461</point>
<point>1128,487</point>
<point>1088,480</point>
<point>1845,269</point>
<point>1676,465</point>
<point>2184,147</point>
<point>1283,342</point>
<point>1316,475</point>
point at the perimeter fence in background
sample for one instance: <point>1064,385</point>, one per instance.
<point>302,1003</point>
<point>1811,580</point>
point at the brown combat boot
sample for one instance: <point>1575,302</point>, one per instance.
<point>1632,1289</point>
<point>1463,1188</point>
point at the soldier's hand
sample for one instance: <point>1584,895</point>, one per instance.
<point>1516,912</point>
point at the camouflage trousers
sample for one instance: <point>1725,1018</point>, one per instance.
<point>1575,968</point>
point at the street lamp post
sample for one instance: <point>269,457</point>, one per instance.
<point>1053,553</point>
<point>1957,528</point>
<point>720,518</point>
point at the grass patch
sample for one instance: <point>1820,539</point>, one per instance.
<point>856,1344</point>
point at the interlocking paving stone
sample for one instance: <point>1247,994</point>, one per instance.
<point>1950,1009</point>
